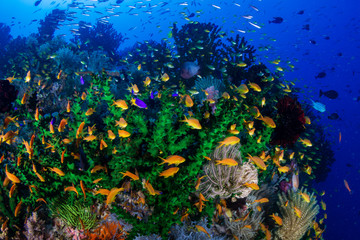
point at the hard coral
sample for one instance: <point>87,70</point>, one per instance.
<point>290,123</point>
<point>8,94</point>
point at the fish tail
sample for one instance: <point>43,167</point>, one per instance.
<point>164,161</point>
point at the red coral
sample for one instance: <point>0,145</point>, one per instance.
<point>290,124</point>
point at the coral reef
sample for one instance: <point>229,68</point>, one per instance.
<point>49,25</point>
<point>245,222</point>
<point>67,61</point>
<point>290,123</point>
<point>8,95</point>
<point>188,231</point>
<point>225,181</point>
<point>294,227</point>
<point>35,228</point>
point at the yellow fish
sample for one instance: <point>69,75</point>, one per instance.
<point>268,121</point>
<point>242,89</point>
<point>305,196</point>
<point>57,171</point>
<point>112,194</point>
<point>258,162</point>
<point>227,162</point>
<point>283,169</point>
<point>121,123</point>
<point>192,122</point>
<point>131,175</point>
<point>306,142</point>
<point>120,104</point>
<point>165,77</point>
<point>89,112</point>
<point>188,101</point>
<point>241,64</point>
<point>229,141</point>
<point>255,87</point>
<point>111,135</point>
<point>277,219</point>
<point>173,159</point>
<point>169,172</point>
<point>123,133</point>
<point>28,77</point>
<point>201,229</point>
<point>297,212</point>
<point>252,186</point>
<point>90,138</point>
<point>147,81</point>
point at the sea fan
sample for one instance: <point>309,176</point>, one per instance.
<point>290,123</point>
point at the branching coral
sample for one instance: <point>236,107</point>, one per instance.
<point>295,227</point>
<point>245,229</point>
<point>225,181</point>
<point>35,228</point>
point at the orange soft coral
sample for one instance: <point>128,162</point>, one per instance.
<point>107,230</point>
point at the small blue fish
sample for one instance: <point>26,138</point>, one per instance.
<point>139,103</point>
<point>152,94</point>
<point>318,106</point>
<point>175,94</point>
<point>82,80</point>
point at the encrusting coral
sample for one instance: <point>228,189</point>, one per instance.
<point>294,227</point>
<point>224,181</point>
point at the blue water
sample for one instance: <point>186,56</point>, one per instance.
<point>338,56</point>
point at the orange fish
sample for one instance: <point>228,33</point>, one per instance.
<point>83,188</point>
<point>262,200</point>
<point>89,112</point>
<point>57,171</point>
<point>102,192</point>
<point>268,121</point>
<point>28,77</point>
<point>123,133</point>
<point>347,186</point>
<point>103,144</point>
<point>188,101</point>
<point>229,141</point>
<point>227,162</point>
<point>71,188</point>
<point>68,109</point>
<point>79,131</point>
<point>90,138</point>
<point>150,188</point>
<point>192,122</point>
<point>197,184</point>
<point>112,194</point>
<point>120,104</point>
<point>62,156</point>
<point>201,229</point>
<point>23,100</point>
<point>97,168</point>
<point>252,186</point>
<point>255,87</point>
<point>258,162</point>
<point>297,212</point>
<point>169,172</point>
<point>11,176</point>
<point>40,177</point>
<point>111,135</point>
<point>339,137</point>
<point>173,159</point>
<point>97,180</point>
<point>17,208</point>
<point>277,219</point>
<point>83,96</point>
<point>62,125</point>
<point>131,175</point>
<point>121,123</point>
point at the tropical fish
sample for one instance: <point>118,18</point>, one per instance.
<point>192,122</point>
<point>229,141</point>
<point>57,171</point>
<point>283,169</point>
<point>150,188</point>
<point>173,159</point>
<point>297,212</point>
<point>138,102</point>
<point>165,77</point>
<point>305,196</point>
<point>83,188</point>
<point>131,175</point>
<point>28,77</point>
<point>258,162</point>
<point>169,172</point>
<point>89,112</point>
<point>188,101</point>
<point>71,188</point>
<point>197,184</point>
<point>318,106</point>
<point>277,219</point>
<point>123,133</point>
<point>306,142</point>
<point>147,81</point>
<point>347,186</point>
<point>112,194</point>
<point>111,135</point>
<point>97,168</point>
<point>90,138</point>
<point>253,186</point>
<point>268,121</point>
<point>242,89</point>
<point>11,176</point>
<point>121,123</point>
<point>120,104</point>
<point>189,69</point>
<point>255,87</point>
<point>227,162</point>
<point>262,200</point>
<point>332,94</point>
<point>202,229</point>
